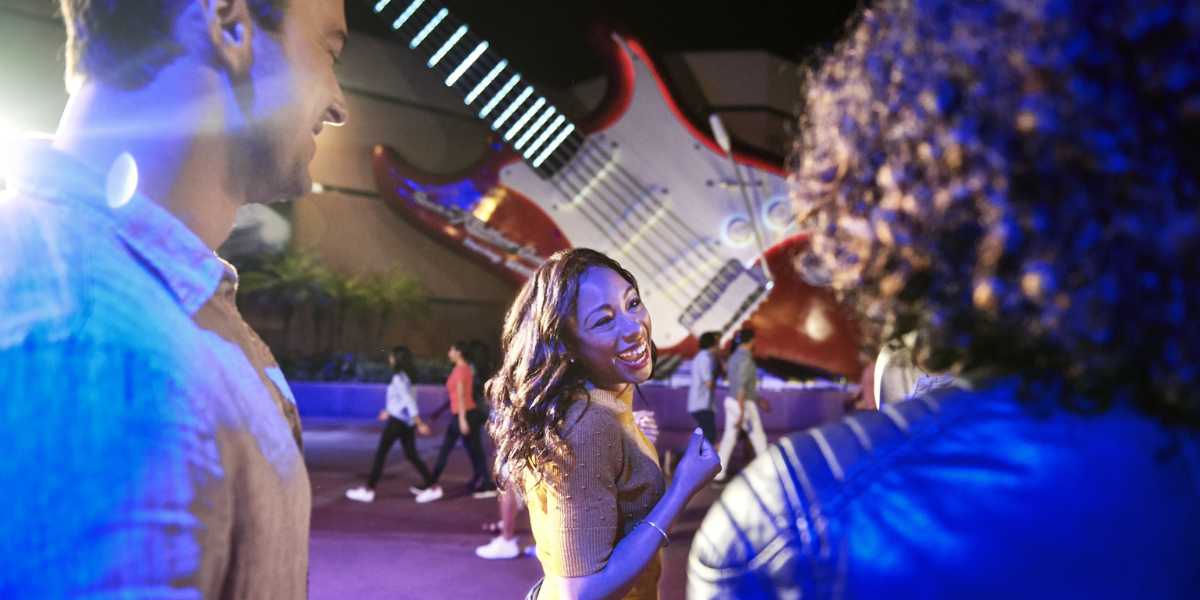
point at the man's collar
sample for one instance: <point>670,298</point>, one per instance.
<point>189,269</point>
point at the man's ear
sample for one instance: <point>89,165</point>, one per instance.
<point>230,29</point>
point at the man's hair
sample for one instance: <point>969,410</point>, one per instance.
<point>709,339</point>
<point>126,42</point>
<point>745,335</point>
<point>1017,182</point>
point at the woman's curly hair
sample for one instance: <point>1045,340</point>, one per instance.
<point>537,381</point>
<point>1017,182</point>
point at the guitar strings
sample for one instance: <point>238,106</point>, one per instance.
<point>632,207</point>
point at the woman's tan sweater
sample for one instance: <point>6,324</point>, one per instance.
<point>614,483</point>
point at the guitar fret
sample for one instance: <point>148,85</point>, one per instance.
<point>553,145</point>
<point>466,64</point>
<point>449,43</point>
<point>525,117</point>
<point>487,80</point>
<point>558,121</point>
<point>404,16</point>
<point>429,27</point>
<point>512,108</point>
<point>487,108</point>
<point>533,130</point>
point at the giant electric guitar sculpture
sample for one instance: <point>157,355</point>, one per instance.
<point>641,184</point>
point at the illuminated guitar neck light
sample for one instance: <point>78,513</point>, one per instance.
<point>408,12</point>
<point>558,140</point>
<point>524,118</point>
<point>545,136</point>
<point>487,80</point>
<point>537,125</point>
<point>428,29</point>
<point>441,52</point>
<point>466,64</point>
<point>487,108</point>
<point>512,108</point>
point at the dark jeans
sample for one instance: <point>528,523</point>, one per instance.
<point>473,443</point>
<point>707,420</point>
<point>397,430</point>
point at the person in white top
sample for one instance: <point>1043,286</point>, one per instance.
<point>403,421</point>
<point>704,382</point>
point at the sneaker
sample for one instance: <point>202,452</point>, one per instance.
<point>416,490</point>
<point>361,494</point>
<point>531,551</point>
<point>429,495</point>
<point>486,491</point>
<point>499,548</point>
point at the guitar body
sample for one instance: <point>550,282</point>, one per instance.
<point>650,189</point>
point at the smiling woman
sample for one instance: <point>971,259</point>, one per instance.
<point>576,341</point>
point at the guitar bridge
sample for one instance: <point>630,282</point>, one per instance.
<point>727,300</point>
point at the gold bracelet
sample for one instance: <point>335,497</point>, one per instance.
<point>666,540</point>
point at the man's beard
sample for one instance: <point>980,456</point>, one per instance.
<point>259,171</point>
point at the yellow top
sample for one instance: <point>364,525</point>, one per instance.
<point>614,483</point>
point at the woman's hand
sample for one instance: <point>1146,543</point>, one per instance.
<point>463,428</point>
<point>698,466</point>
<point>423,429</point>
<point>383,415</point>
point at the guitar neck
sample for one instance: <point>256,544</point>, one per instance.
<point>524,119</point>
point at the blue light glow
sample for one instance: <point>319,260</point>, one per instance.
<point>487,108</point>
<point>466,64</point>
<point>408,12</point>
<point>461,195</point>
<point>429,27</point>
<point>512,108</point>
<point>554,145</point>
<point>537,125</point>
<point>524,118</point>
<point>382,4</point>
<point>545,136</point>
<point>441,52</point>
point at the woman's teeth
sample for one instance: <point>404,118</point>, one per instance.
<point>635,354</point>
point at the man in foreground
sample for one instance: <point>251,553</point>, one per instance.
<point>151,443</point>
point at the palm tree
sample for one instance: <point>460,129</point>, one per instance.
<point>289,281</point>
<point>393,294</point>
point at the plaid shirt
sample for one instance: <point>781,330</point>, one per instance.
<point>150,444</point>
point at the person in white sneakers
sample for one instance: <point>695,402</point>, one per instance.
<point>505,545</point>
<point>743,402</point>
<point>402,420</point>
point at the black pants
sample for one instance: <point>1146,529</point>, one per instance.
<point>398,430</point>
<point>473,443</point>
<point>707,420</point>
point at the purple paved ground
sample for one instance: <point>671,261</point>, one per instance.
<point>395,548</point>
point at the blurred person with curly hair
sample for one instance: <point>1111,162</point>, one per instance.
<point>1014,185</point>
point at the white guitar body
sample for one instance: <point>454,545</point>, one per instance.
<point>655,195</point>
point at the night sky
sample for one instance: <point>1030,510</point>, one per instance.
<point>555,41</point>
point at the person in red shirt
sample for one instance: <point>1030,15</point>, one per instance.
<point>466,419</point>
